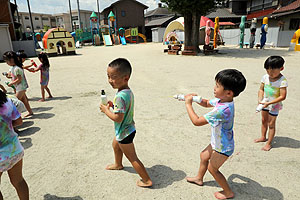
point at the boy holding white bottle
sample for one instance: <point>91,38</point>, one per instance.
<point>272,92</point>
<point>229,84</point>
<point>118,73</point>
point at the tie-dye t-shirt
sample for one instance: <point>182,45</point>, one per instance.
<point>15,71</point>
<point>124,103</point>
<point>44,75</point>
<point>221,120</point>
<point>9,142</point>
<point>272,90</point>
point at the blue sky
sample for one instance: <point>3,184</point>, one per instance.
<point>59,6</point>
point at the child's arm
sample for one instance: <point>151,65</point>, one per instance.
<point>17,122</point>
<point>261,93</point>
<point>282,96</point>
<point>196,120</point>
<point>26,67</point>
<point>116,117</point>
<point>17,81</point>
<point>205,103</point>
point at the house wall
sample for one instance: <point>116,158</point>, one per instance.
<point>158,34</point>
<point>5,42</point>
<point>7,17</point>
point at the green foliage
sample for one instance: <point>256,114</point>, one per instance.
<point>201,7</point>
<point>46,28</point>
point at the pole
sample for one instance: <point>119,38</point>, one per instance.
<point>17,11</point>
<point>98,6</point>
<point>32,28</point>
<point>71,16</point>
<point>79,18</point>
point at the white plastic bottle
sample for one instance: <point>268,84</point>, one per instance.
<point>103,98</point>
<point>180,97</point>
<point>260,106</point>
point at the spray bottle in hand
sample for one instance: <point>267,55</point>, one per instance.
<point>261,105</point>
<point>180,97</point>
<point>103,98</point>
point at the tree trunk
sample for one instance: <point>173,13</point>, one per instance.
<point>188,29</point>
<point>195,30</point>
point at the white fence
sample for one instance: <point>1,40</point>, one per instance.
<point>278,38</point>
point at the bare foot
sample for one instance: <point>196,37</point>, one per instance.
<point>114,167</point>
<point>28,115</point>
<point>194,180</point>
<point>41,100</point>
<point>267,147</point>
<point>222,195</point>
<point>261,139</point>
<point>146,184</point>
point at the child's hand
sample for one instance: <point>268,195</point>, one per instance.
<point>10,84</point>
<point>104,108</point>
<point>30,69</point>
<point>266,104</point>
<point>189,98</point>
<point>111,105</point>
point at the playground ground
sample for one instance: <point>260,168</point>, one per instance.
<point>68,141</point>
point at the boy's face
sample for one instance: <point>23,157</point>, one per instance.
<point>220,93</point>
<point>274,73</point>
<point>115,78</point>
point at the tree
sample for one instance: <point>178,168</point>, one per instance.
<point>192,10</point>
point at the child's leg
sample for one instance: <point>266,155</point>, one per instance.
<point>118,157</point>
<point>48,90</point>
<point>17,180</point>
<point>1,197</point>
<point>264,126</point>
<point>272,122</point>
<point>22,97</point>
<point>216,161</point>
<point>129,151</point>
<point>43,93</point>
<point>204,158</point>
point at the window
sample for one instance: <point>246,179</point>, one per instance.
<point>38,27</point>
<point>294,24</point>
<point>45,18</point>
<point>123,13</point>
<point>27,18</point>
<point>70,44</point>
<point>36,18</point>
<point>74,17</point>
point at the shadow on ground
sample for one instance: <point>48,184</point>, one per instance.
<point>41,109</point>
<point>41,116</point>
<point>52,99</point>
<point>247,189</point>
<point>26,142</point>
<point>161,175</point>
<point>28,131</point>
<point>26,124</point>
<point>279,141</point>
<point>54,197</point>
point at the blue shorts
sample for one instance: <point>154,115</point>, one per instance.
<point>227,153</point>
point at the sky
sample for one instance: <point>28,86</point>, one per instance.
<point>60,6</point>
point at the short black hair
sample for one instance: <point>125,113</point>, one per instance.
<point>122,65</point>
<point>232,79</point>
<point>3,98</point>
<point>274,62</point>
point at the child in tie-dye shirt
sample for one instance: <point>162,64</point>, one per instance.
<point>11,150</point>
<point>273,88</point>
<point>118,73</point>
<point>229,84</point>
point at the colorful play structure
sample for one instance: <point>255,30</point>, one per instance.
<point>58,41</point>
<point>242,29</point>
<point>295,42</point>
<point>264,31</point>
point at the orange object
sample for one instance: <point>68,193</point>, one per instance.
<point>216,31</point>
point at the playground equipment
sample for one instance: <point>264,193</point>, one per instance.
<point>58,41</point>
<point>295,43</point>
<point>264,31</point>
<point>95,29</point>
<point>207,32</point>
<point>253,31</point>
<point>122,36</point>
<point>216,31</point>
<point>113,27</point>
<point>172,38</point>
<point>105,35</point>
<point>242,28</point>
<point>132,35</point>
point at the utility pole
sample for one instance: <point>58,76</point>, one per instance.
<point>71,16</point>
<point>17,11</point>
<point>98,6</point>
<point>32,28</point>
<point>79,18</point>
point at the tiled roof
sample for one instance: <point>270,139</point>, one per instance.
<point>158,11</point>
<point>159,21</point>
<point>223,13</point>
<point>293,6</point>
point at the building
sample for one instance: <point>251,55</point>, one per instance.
<point>159,12</point>
<point>7,17</point>
<point>39,21</point>
<point>129,14</point>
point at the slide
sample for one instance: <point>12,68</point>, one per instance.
<point>123,40</point>
<point>107,40</point>
<point>41,44</point>
<point>143,36</point>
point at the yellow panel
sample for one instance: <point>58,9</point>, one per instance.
<point>59,34</point>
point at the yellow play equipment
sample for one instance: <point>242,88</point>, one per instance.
<point>133,32</point>
<point>58,41</point>
<point>295,41</point>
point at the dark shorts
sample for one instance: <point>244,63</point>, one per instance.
<point>275,113</point>
<point>128,139</point>
<point>227,154</point>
